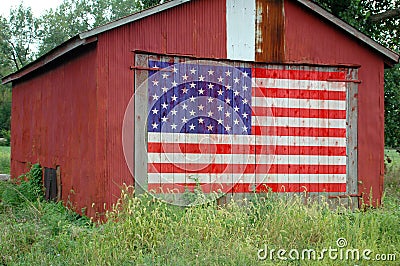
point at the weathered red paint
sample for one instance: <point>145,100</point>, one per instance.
<point>53,117</point>
<point>310,39</point>
<point>70,113</point>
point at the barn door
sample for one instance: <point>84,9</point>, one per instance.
<point>234,129</point>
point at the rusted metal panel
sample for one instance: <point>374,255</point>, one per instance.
<point>270,27</point>
<point>316,46</point>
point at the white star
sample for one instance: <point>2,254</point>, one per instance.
<point>192,85</point>
<point>228,73</point>
<point>165,76</point>
<point>236,109</point>
<point>244,128</point>
<point>210,127</point>
<point>228,87</point>
<point>245,74</point>
<point>192,113</point>
<point>245,88</point>
<point>220,79</point>
<point>227,114</point>
<point>173,98</point>
<point>184,90</point>
<point>201,91</point>
<point>210,72</point>
<point>220,108</point>
<point>164,105</point>
<point>155,125</point>
<point>201,120</point>
<point>185,77</point>
<point>245,101</point>
<point>220,121</point>
<point>227,128</point>
<point>211,86</point>
<point>220,92</point>
<point>164,119</point>
<point>192,99</point>
<point>210,114</point>
<point>236,93</point>
<point>236,121</point>
<point>175,70</point>
<point>201,78</point>
<point>174,112</point>
<point>184,120</point>
<point>244,115</point>
<point>155,66</point>
<point>174,83</point>
<point>193,71</point>
<point>155,82</point>
<point>192,127</point>
<point>155,97</point>
<point>201,107</point>
<point>184,106</point>
<point>236,80</point>
<point>164,89</point>
<point>228,101</point>
<point>155,111</point>
<point>210,99</point>
<point>173,126</point>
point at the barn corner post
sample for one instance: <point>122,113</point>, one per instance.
<point>141,106</point>
<point>352,140</point>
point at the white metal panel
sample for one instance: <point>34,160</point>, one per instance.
<point>241,29</point>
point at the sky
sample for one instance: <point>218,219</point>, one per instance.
<point>38,6</point>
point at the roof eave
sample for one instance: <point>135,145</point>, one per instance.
<point>57,52</point>
<point>392,58</point>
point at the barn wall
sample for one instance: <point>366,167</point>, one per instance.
<point>52,121</point>
<point>311,40</point>
<point>197,28</point>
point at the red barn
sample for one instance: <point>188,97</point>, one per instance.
<point>293,102</point>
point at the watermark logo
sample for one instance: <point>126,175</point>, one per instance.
<point>339,252</point>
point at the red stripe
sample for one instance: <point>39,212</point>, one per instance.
<point>244,149</point>
<point>298,94</point>
<point>247,187</point>
<point>295,74</point>
<point>245,168</point>
<point>298,112</point>
<point>298,131</point>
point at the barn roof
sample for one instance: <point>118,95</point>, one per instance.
<point>90,36</point>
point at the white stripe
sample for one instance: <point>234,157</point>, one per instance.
<point>204,160</point>
<point>245,139</point>
<point>298,122</point>
<point>299,84</point>
<point>298,103</point>
<point>157,178</point>
<point>240,29</point>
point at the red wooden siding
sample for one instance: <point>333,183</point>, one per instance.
<point>53,119</point>
<point>311,40</point>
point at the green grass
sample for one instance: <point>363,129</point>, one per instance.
<point>144,231</point>
<point>5,152</point>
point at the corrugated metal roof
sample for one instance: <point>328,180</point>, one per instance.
<point>82,38</point>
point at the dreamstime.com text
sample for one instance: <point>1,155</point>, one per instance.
<point>338,252</point>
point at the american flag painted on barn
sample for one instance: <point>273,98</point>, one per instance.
<point>244,128</point>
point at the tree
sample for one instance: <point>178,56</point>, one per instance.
<point>17,41</point>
